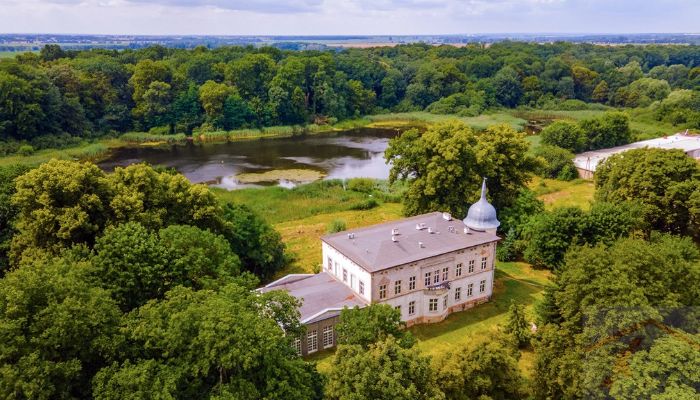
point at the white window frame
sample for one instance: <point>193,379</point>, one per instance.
<point>471,266</point>
<point>432,305</point>
<point>484,261</point>
<point>382,292</point>
<point>482,286</point>
<point>328,336</point>
<point>458,270</point>
<point>362,287</point>
<point>427,278</point>
<point>470,290</point>
<point>458,294</point>
<point>297,346</point>
<point>411,307</point>
<point>312,341</point>
<point>397,287</point>
<point>412,283</point>
<point>444,302</point>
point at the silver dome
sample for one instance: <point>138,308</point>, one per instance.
<point>482,215</point>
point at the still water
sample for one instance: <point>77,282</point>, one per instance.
<point>347,154</point>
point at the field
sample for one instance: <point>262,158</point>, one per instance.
<point>302,216</point>
<point>479,122</point>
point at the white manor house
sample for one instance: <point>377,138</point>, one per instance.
<point>426,266</point>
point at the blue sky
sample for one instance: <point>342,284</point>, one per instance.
<point>322,17</point>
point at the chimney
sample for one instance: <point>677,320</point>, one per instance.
<point>420,245</point>
<point>467,231</point>
<point>394,238</point>
<point>395,231</point>
<point>446,216</point>
<point>430,230</point>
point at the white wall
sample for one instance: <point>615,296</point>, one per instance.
<point>341,262</point>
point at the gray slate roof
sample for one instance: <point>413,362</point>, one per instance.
<point>317,293</point>
<point>373,249</point>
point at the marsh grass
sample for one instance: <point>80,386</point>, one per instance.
<point>419,117</point>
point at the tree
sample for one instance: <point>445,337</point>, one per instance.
<point>558,163</point>
<point>612,129</point>
<point>663,181</point>
<point>258,244</point>
<point>57,330</point>
<point>213,95</point>
<point>59,204</point>
<point>601,92</point>
<point>669,369</point>
<point>365,326</point>
<point>565,134</point>
<point>8,211</point>
<point>384,370</point>
<point>517,324</point>
<point>137,265</point>
<point>444,166</point>
<point>227,344</point>
<point>486,370</point>
<point>508,87</point>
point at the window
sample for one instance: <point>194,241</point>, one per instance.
<point>436,276</point>
<point>382,291</point>
<point>398,308</point>
<point>483,262</point>
<point>412,283</point>
<point>445,273</point>
<point>458,293</point>
<point>297,346</point>
<point>444,302</point>
<point>397,287</point>
<point>352,281</point>
<point>458,270</point>
<point>311,341</point>
<point>427,279</point>
<point>432,305</point>
<point>482,286</point>
<point>345,275</point>
<point>330,264</point>
<point>362,287</point>
<point>328,336</point>
<point>470,290</point>
<point>411,307</point>
<point>471,266</point>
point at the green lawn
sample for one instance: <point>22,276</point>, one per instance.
<point>556,193</point>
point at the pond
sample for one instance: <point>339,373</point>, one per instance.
<point>285,161</point>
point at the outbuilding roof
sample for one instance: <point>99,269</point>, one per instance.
<point>321,295</point>
<point>387,245</point>
<point>590,160</point>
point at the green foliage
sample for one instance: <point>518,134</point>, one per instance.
<point>258,245</point>
<point>445,164</point>
<point>550,234</point>
<point>665,182</point>
<point>337,225</point>
<point>365,204</point>
<point>615,306</point>
<point>136,265</point>
<point>517,324</point>
<point>374,323</point>
<point>558,163</point>
<point>142,137</point>
<point>25,150</point>
<point>208,344</point>
<point>362,185</point>
<point>565,134</point>
<point>8,211</point>
<point>612,129</point>
<point>486,370</point>
<point>383,370</point>
<point>525,206</point>
<point>57,330</point>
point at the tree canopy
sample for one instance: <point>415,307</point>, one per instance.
<point>445,164</point>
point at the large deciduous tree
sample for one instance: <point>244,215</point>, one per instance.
<point>226,344</point>
<point>445,164</point>
<point>383,371</point>
<point>665,182</point>
<point>365,326</point>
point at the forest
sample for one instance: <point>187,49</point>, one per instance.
<point>138,284</point>
<point>58,97</point>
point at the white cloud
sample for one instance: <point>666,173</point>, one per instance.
<point>317,17</point>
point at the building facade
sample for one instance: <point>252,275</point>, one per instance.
<point>426,266</point>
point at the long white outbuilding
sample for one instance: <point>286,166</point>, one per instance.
<point>586,163</point>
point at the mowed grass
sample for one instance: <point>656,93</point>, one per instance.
<point>555,193</point>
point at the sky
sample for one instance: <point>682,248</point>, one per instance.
<point>347,17</point>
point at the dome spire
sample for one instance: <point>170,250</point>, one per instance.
<point>482,215</point>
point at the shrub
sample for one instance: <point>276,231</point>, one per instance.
<point>366,204</point>
<point>337,225</point>
<point>159,130</point>
<point>558,163</point>
<point>564,134</point>
<point>362,185</point>
<point>25,150</point>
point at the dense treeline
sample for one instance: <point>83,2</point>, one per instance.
<point>56,95</point>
